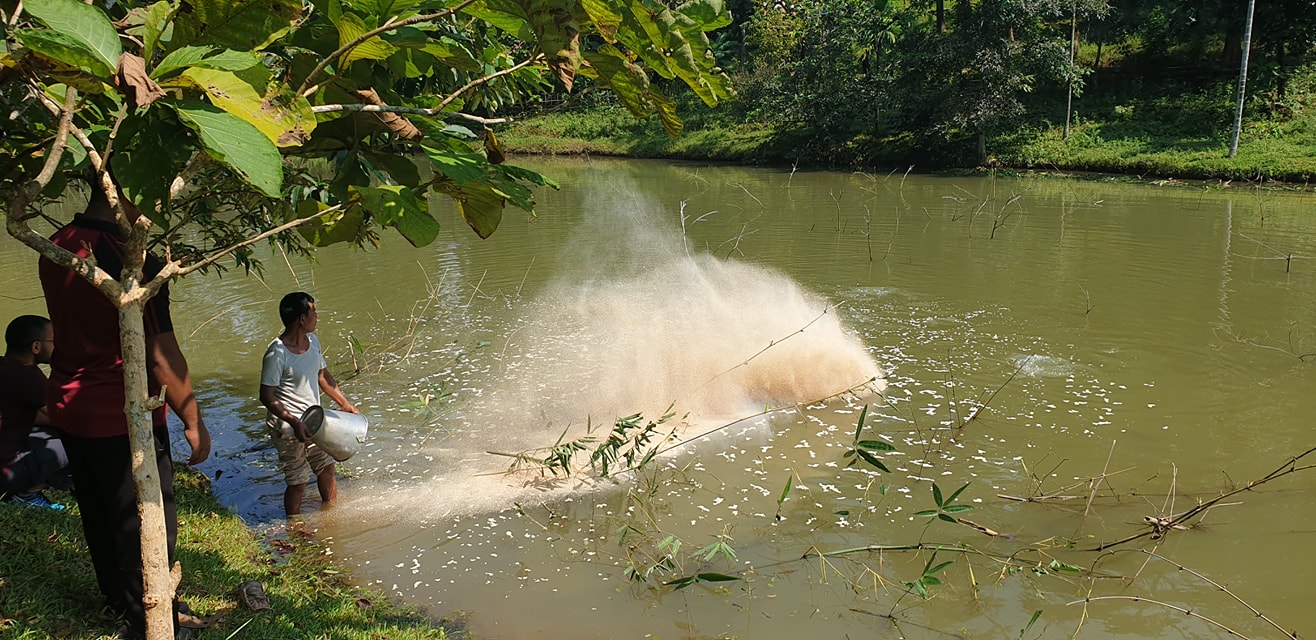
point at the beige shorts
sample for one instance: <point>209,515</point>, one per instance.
<point>299,461</point>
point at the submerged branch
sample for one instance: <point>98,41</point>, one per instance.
<point>1188,612</point>
<point>1161,525</point>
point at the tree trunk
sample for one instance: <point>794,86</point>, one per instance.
<point>941,16</point>
<point>158,592</point>
<point>1242,80</point>
<point>1073,51</point>
<point>1282,82</point>
<point>982,149</point>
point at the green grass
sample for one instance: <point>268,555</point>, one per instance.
<point>611,130</point>
<point>1186,137</point>
<point>48,589</point>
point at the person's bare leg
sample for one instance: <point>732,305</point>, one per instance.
<point>327,484</point>
<point>292,499</point>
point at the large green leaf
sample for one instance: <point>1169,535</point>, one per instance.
<point>153,152</point>
<point>666,110</point>
<point>236,143</point>
<point>626,79</point>
<point>235,24</point>
<point>64,49</point>
<point>502,14</point>
<point>201,57</point>
<point>85,24</point>
<point>461,167</point>
<point>605,16</point>
<point>521,173</point>
<point>157,20</point>
<point>708,14</point>
<point>284,117</point>
<point>351,27</point>
<point>480,206</point>
<point>396,206</point>
<point>344,225</point>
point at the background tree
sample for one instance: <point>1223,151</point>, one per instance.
<point>231,122</point>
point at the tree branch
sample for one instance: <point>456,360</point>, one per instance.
<point>389,26</point>
<point>375,108</point>
<point>479,81</point>
<point>175,269</point>
<point>17,223</point>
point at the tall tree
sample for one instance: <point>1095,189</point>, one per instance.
<point>209,112</point>
<point>1242,80</point>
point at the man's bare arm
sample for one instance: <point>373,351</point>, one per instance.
<point>276,407</point>
<point>168,367</point>
<point>330,387</point>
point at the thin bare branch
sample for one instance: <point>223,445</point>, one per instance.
<point>175,270</point>
<point>1188,612</point>
<point>375,108</point>
<point>386,27</point>
<point>479,81</point>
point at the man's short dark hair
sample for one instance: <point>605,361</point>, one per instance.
<point>23,331</point>
<point>293,306</point>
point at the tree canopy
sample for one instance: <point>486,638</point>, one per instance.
<point>233,117</point>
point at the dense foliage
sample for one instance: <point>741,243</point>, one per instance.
<point>963,82</point>
<point>232,117</point>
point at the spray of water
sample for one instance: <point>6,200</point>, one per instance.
<point>646,326</point>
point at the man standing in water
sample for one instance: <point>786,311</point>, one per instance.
<point>292,375</point>
<point>85,399</point>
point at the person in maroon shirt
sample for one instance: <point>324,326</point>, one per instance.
<point>31,457</point>
<point>85,399</point>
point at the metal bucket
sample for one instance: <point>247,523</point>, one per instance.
<point>339,433</point>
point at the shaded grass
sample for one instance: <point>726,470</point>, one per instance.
<point>48,588</point>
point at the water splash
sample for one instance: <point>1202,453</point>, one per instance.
<point>644,327</point>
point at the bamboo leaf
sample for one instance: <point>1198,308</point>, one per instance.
<point>872,459</point>
<point>957,493</point>
<point>925,514</point>
<point>938,568</point>
<point>936,494</point>
<point>790,482</point>
<point>716,577</point>
<point>876,445</point>
<point>859,427</point>
<point>956,508</point>
<point>84,24</point>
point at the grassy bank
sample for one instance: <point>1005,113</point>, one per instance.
<point>48,588</point>
<point>1151,140</point>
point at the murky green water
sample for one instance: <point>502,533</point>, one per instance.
<point>1137,349</point>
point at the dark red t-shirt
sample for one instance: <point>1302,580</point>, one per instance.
<point>22,394</point>
<point>85,396</point>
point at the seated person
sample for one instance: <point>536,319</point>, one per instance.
<point>31,457</point>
